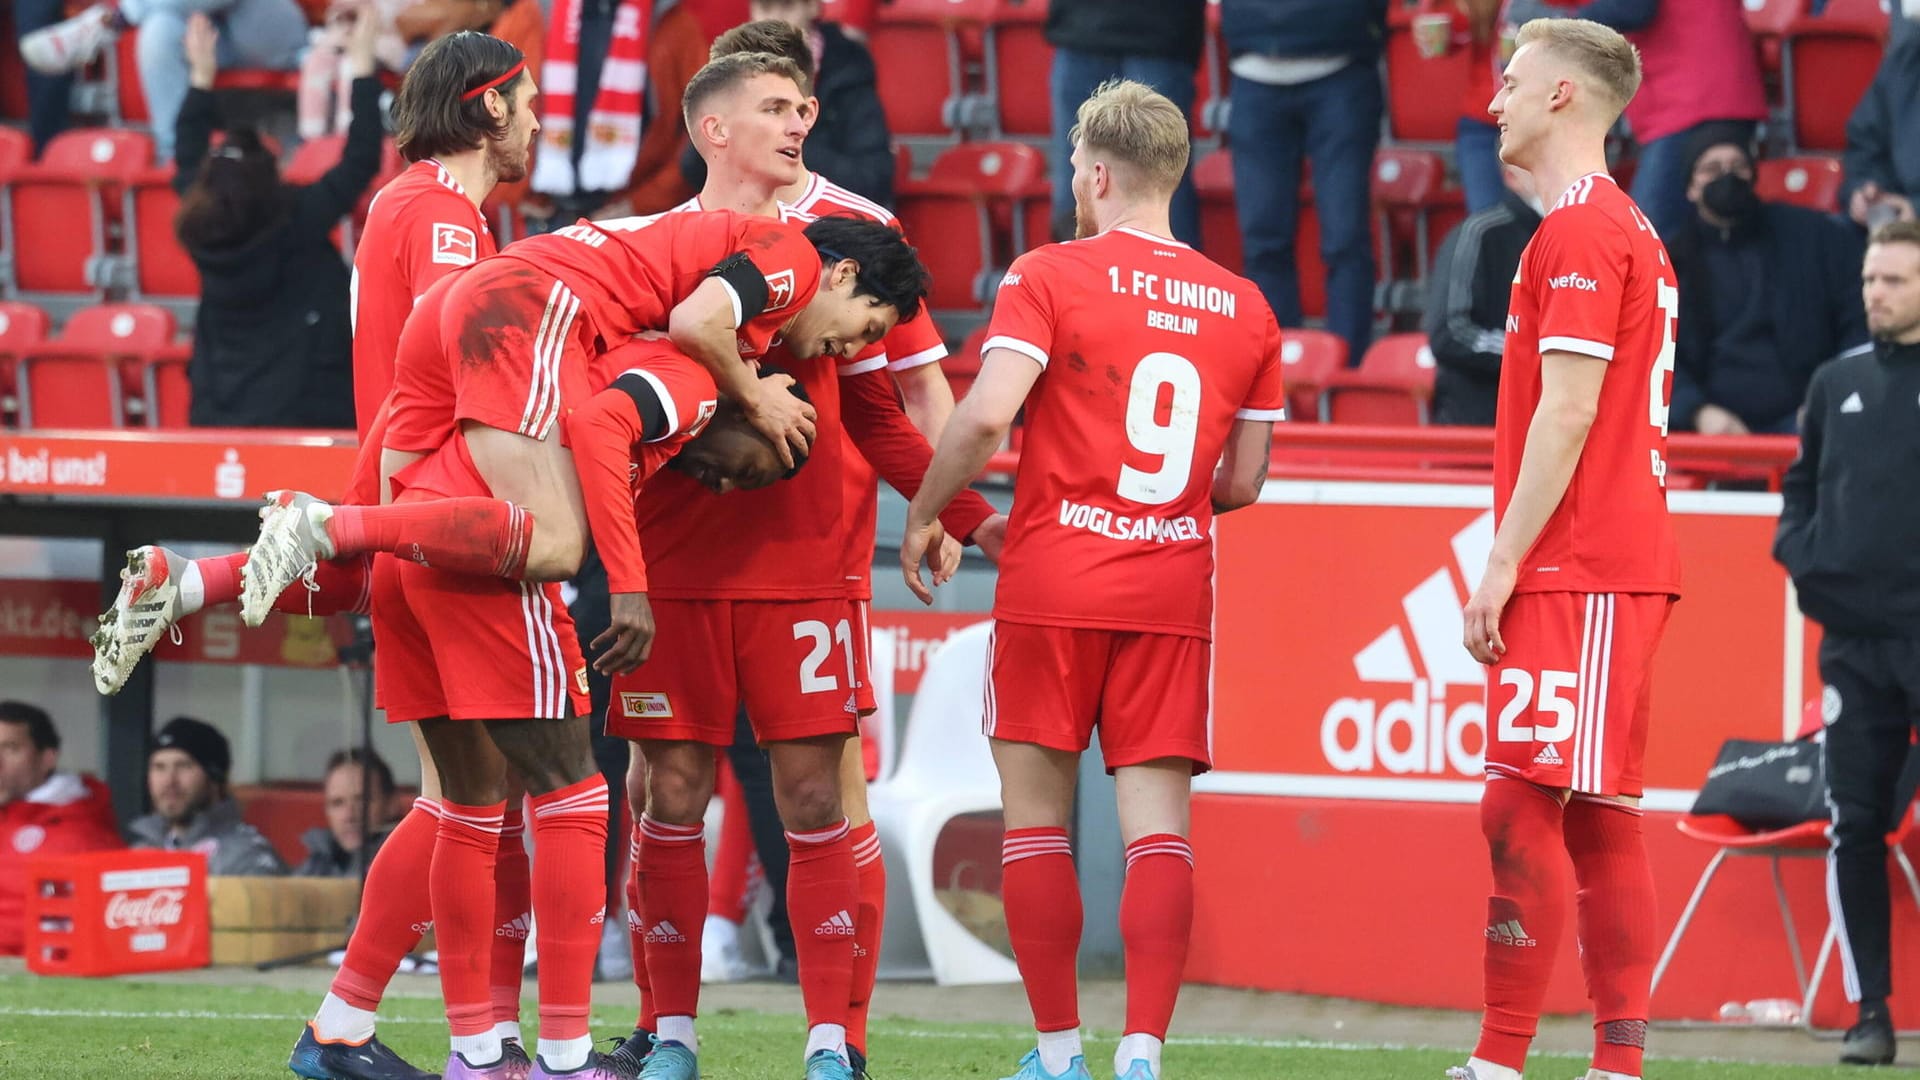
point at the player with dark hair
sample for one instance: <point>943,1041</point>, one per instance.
<point>1584,568</point>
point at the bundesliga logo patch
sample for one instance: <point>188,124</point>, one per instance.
<point>779,290</point>
<point>454,245</point>
<point>645,706</point>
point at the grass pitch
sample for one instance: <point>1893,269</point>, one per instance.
<point>152,1031</point>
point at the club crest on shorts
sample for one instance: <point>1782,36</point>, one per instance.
<point>640,705</point>
<point>580,679</point>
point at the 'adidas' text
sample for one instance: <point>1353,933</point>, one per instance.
<point>840,925</point>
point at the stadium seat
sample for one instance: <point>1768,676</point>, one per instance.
<point>1219,221</point>
<point>78,379</point>
<point>1391,387</point>
<point>1812,182</point>
<point>16,150</point>
<point>1423,96</point>
<point>80,178</point>
<point>1310,360</point>
<point>1830,61</point>
<point>921,66</point>
<point>1018,62</point>
<point>1407,188</point>
<point>167,391</point>
<point>962,366</point>
<point>22,328</point>
<point>945,770</point>
<point>1806,840</point>
<point>1769,21</point>
<point>162,269</point>
<point>982,189</point>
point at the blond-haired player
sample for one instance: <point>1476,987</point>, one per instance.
<point>1584,570</point>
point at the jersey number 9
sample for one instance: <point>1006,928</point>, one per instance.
<point>1171,442</point>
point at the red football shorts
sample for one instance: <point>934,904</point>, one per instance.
<point>500,344</point>
<point>1148,693</point>
<point>473,648</point>
<point>863,698</point>
<point>1568,705</point>
<point>790,662</point>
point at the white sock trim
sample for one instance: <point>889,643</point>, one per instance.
<point>337,1021</point>
<point>826,1037</point>
<point>1058,1049</point>
<point>1137,1047</point>
<point>677,1029</point>
<point>508,1029</point>
<point>480,1050</point>
<point>193,586</point>
<point>565,1055</point>
<point>1487,1070</point>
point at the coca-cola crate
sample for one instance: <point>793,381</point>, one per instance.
<point>117,912</point>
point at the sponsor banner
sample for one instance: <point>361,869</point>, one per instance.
<point>917,636</point>
<point>54,618</point>
<point>1339,669</point>
<point>215,465</point>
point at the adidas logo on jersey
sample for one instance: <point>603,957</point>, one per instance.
<point>1510,933</point>
<point>1548,756</point>
<point>517,929</point>
<point>1853,403</point>
<point>665,933</point>
<point>839,925</point>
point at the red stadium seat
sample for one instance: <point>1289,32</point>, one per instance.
<point>921,62</point>
<point>1219,221</point>
<point>1829,63</point>
<point>1018,62</point>
<point>1423,96</point>
<point>962,366</point>
<point>1406,183</point>
<point>22,328</point>
<point>1812,182</point>
<point>1392,385</point>
<point>16,150</point>
<point>78,380</point>
<point>119,330</point>
<point>80,178</point>
<point>169,394</point>
<point>978,189</point>
<point>162,269</point>
<point>1309,361</point>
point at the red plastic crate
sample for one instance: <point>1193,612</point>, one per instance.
<point>117,912</point>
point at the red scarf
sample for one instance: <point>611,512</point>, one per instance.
<point>613,127</point>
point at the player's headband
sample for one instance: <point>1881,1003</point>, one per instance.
<point>865,282</point>
<point>505,78</point>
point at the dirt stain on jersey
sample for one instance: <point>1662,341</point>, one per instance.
<point>500,314</point>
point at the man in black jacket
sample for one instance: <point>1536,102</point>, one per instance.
<point>1467,294</point>
<point>1767,295</point>
<point>1849,527</point>
<point>849,144</point>
<point>1156,42</point>
<point>1882,159</point>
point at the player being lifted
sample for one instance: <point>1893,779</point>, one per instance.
<point>1584,570</point>
<point>1150,379</point>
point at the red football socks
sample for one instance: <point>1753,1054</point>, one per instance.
<point>394,910</point>
<point>340,585</point>
<point>870,874</point>
<point>673,878</point>
<point>569,840</point>
<point>512,916</point>
<point>1615,911</point>
<point>1042,897</point>
<point>460,880</point>
<point>822,896</point>
<point>1156,924</point>
<point>649,1018</point>
<point>471,535</point>
<point>727,892</point>
<point>1524,915</point>
<point>220,578</point>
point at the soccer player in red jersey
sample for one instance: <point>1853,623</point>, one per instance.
<point>748,615</point>
<point>1150,380</point>
<point>1584,569</point>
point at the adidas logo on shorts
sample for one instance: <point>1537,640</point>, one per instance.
<point>840,925</point>
<point>517,929</point>
<point>1548,756</point>
<point>665,933</point>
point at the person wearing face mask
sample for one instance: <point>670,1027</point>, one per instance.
<point>1766,293</point>
<point>1467,294</point>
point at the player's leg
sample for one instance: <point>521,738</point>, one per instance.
<point>640,1043</point>
<point>512,918</point>
<point>823,891</point>
<point>672,881</point>
<point>1042,694</point>
<point>870,874</point>
<point>1614,906</point>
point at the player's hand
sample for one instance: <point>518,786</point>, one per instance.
<point>785,420</point>
<point>948,562</point>
<point>990,536</point>
<point>1482,617</point>
<point>921,544</point>
<point>362,40</point>
<point>628,639</point>
<point>1714,420</point>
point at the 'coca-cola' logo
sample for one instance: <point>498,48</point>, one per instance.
<point>161,907</point>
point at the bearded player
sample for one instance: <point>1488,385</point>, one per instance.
<point>1150,381</point>
<point>1584,569</point>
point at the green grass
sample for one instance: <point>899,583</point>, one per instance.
<point>148,1031</point>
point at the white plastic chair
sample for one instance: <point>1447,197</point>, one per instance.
<point>945,770</point>
<point>880,646</point>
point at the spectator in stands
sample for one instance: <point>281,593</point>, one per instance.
<point>1882,159</point>
<point>48,109</point>
<point>193,810</point>
<point>1156,42</point>
<point>273,339</point>
<point>648,177</point>
<point>270,34</point>
<point>1306,83</point>
<point>1476,146</point>
<point>1700,67</point>
<point>355,787</point>
<point>1768,293</point>
<point>43,811</point>
<point>849,144</point>
<point>1467,294</point>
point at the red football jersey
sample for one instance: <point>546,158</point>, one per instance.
<point>1595,280</point>
<point>630,272</point>
<point>1151,351</point>
<point>420,228</point>
<point>910,345</point>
